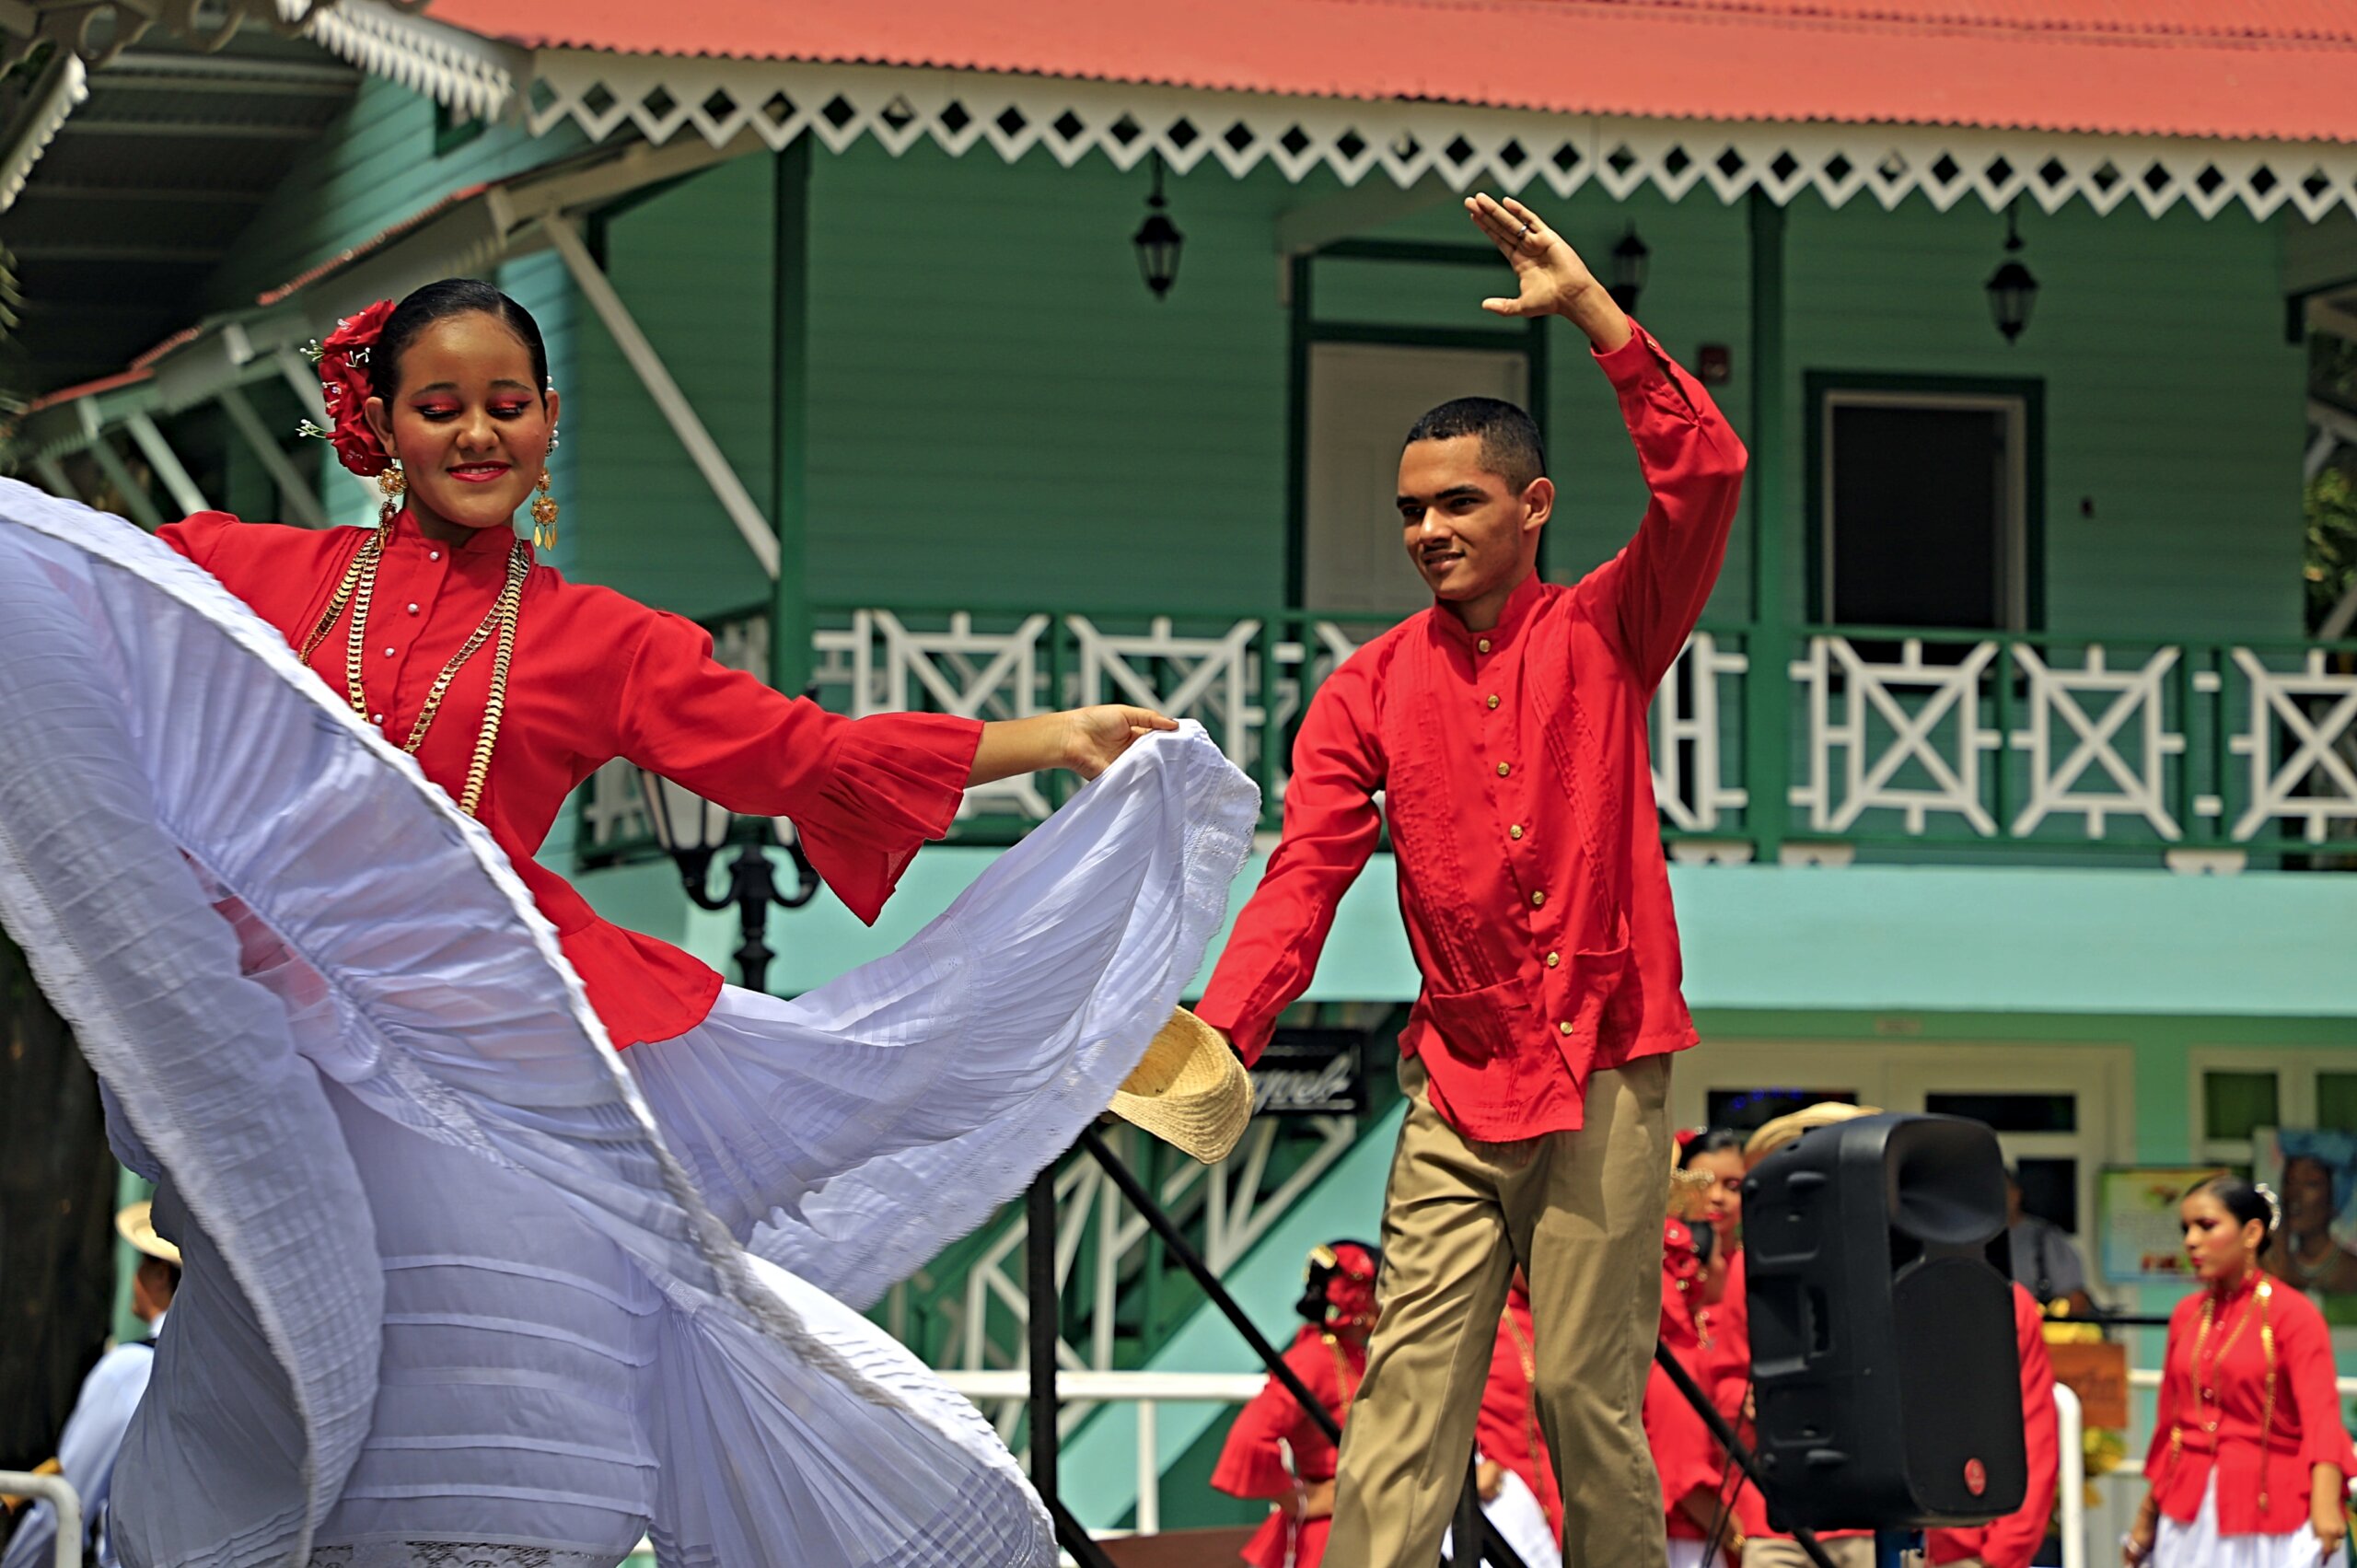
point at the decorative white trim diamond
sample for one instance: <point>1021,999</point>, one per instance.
<point>67,85</point>
<point>385,37</point>
<point>662,97</point>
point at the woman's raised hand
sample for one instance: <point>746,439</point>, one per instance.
<point>1099,735</point>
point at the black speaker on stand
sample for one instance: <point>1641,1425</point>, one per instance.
<point>1889,1382</point>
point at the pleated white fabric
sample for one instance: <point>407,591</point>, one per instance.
<point>2199,1544</point>
<point>449,1296</point>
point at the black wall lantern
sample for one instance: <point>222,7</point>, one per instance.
<point>2012,288</point>
<point>1159,240</point>
<point>693,831</point>
<point>1629,259</point>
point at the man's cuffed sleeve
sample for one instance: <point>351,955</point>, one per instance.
<point>1330,829</point>
<point>1655,589</point>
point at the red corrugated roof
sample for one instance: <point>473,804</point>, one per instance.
<point>2271,69</point>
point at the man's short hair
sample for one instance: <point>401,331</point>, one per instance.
<point>1511,445</point>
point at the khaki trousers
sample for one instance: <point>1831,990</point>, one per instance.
<point>1850,1551</point>
<point>1581,1213</point>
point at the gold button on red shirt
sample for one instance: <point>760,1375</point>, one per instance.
<point>1573,669</point>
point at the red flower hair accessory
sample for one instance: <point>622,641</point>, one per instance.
<point>1349,1283</point>
<point>343,363</point>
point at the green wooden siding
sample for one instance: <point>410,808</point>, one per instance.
<point>1001,415</point>
<point>373,169</point>
<point>692,262</point>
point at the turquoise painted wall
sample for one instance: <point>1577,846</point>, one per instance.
<point>2106,942</point>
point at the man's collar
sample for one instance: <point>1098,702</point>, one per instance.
<point>1517,610</point>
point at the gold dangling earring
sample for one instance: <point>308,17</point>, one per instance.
<point>544,510</point>
<point>395,484</point>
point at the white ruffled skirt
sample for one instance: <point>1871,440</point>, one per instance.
<point>2199,1544</point>
<point>465,1285</point>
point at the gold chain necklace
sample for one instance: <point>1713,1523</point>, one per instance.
<point>1349,1389</point>
<point>1523,1353</point>
<point>358,589</point>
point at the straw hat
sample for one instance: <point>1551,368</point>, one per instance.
<point>136,1225</point>
<point>1190,1091</point>
<point>1774,1136</point>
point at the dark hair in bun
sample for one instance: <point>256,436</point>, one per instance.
<point>2246,1201</point>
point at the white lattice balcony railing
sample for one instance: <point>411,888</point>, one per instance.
<point>1889,739</point>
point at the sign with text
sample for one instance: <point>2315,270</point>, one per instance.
<point>1311,1072</point>
<point>2143,1238</point>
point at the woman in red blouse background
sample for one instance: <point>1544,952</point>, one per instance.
<point>2249,1457</point>
<point>1275,1450</point>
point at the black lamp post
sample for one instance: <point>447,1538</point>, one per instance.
<point>1159,240</point>
<point>1629,260</point>
<point>2012,288</point>
<point>692,832</point>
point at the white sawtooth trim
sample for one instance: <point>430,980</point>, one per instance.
<point>663,96</point>
<point>454,67</point>
<point>67,86</point>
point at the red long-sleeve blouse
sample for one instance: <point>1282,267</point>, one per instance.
<point>1692,1467</point>
<point>1515,780</point>
<point>2213,1399</point>
<point>596,676</point>
<point>1252,1462</point>
<point>2013,1541</point>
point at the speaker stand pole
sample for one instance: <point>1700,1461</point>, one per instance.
<point>1891,1547</point>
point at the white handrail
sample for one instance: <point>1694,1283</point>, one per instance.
<point>1149,1390</point>
<point>68,1503</point>
<point>2070,1431</point>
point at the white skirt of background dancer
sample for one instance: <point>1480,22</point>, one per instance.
<point>455,1294</point>
<point>2199,1544</point>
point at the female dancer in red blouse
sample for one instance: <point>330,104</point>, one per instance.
<point>2249,1457</point>
<point>563,1352</point>
<point>1694,1476</point>
<point>1275,1450</point>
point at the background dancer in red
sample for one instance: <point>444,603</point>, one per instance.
<point>2013,1541</point>
<point>1275,1450</point>
<point>2249,1457</point>
<point>1505,729</point>
<point>1696,1487</point>
<point>1507,1432</point>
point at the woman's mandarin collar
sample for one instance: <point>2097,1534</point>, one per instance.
<point>481,542</point>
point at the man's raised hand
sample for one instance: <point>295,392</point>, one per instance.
<point>1551,278</point>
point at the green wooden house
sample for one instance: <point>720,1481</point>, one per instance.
<point>2010,772</point>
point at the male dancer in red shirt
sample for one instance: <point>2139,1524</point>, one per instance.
<point>1506,729</point>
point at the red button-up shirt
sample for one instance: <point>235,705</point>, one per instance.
<point>2213,1403</point>
<point>596,676</point>
<point>2014,1540</point>
<point>1514,769</point>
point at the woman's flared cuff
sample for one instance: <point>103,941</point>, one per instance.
<point>894,783</point>
<point>1253,1471</point>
